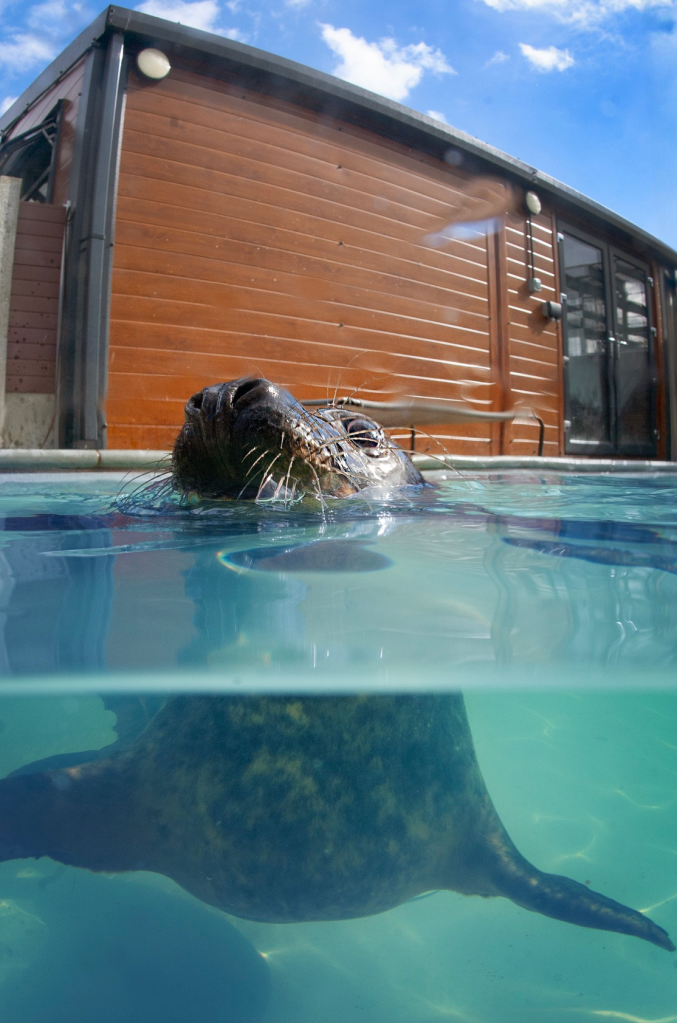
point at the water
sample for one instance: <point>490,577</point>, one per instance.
<point>550,600</point>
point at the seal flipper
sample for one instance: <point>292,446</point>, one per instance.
<point>79,817</point>
<point>560,897</point>
<point>133,713</point>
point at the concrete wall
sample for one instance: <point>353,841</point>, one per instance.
<point>10,189</point>
<point>29,421</point>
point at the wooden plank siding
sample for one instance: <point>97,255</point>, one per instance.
<point>533,350</point>
<point>255,236</point>
<point>34,299</point>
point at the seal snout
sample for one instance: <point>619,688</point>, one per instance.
<point>250,389</point>
<point>252,439</point>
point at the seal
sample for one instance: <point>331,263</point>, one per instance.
<point>248,438</point>
<point>283,809</point>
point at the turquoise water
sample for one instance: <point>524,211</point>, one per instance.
<point>549,600</point>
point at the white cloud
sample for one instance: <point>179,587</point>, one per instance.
<point>298,4</point>
<point>584,13</point>
<point>549,59</point>
<point>24,51</point>
<point>49,17</point>
<point>437,116</point>
<point>498,58</point>
<point>383,67</point>
<point>202,14</point>
<point>7,102</point>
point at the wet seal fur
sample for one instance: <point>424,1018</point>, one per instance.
<point>286,809</point>
<point>248,438</point>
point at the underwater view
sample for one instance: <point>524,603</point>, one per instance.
<point>321,652</point>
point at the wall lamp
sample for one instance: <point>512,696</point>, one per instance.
<point>552,310</point>
<point>153,63</point>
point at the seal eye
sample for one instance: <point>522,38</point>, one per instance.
<point>365,434</point>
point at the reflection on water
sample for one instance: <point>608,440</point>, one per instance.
<point>517,571</point>
<point>552,576</point>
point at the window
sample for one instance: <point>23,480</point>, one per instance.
<point>32,157</point>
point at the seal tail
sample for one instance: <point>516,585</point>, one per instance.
<point>562,898</point>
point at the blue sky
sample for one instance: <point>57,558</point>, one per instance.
<point>585,90</point>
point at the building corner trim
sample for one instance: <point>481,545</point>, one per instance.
<point>83,343</point>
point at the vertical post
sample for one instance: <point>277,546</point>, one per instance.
<point>502,331</point>
<point>559,327</point>
<point>10,192</point>
<point>666,284</point>
<point>85,307</point>
<point>101,245</point>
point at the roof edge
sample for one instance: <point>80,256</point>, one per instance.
<point>56,70</point>
<point>155,30</point>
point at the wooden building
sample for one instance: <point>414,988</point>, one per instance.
<point>246,214</point>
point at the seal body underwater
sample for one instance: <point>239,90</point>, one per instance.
<point>282,808</point>
<point>286,809</point>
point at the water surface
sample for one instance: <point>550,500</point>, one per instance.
<point>549,599</point>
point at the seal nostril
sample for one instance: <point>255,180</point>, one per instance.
<point>245,387</point>
<point>193,405</point>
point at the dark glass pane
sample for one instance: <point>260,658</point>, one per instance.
<point>29,157</point>
<point>586,333</point>
<point>633,354</point>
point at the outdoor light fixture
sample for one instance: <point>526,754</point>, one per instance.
<point>552,310</point>
<point>533,203</point>
<point>153,63</point>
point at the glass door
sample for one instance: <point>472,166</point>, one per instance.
<point>587,349</point>
<point>633,363</point>
<point>609,383</point>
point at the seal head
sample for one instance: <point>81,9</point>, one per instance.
<point>248,438</point>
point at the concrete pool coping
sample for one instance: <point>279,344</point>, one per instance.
<point>87,459</point>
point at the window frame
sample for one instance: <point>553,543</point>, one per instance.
<point>16,145</point>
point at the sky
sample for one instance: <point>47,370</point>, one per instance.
<point>584,90</point>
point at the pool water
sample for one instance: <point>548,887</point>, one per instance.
<point>549,600</point>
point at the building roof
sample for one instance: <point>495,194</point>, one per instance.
<point>317,90</point>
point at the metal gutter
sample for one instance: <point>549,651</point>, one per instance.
<point>59,459</point>
<point>306,86</point>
